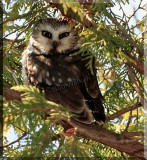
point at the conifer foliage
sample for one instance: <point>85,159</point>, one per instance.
<point>118,45</point>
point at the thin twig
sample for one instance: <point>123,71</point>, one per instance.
<point>127,36</point>
<point>15,18</point>
<point>21,129</point>
<point>126,129</point>
<point>13,32</point>
<point>135,26</point>
<point>137,117</point>
<point>140,85</point>
<point>21,33</point>
<point>26,14</point>
<point>14,76</point>
<point>134,11</point>
<point>23,135</point>
<point>74,137</point>
<point>123,111</point>
<point>60,145</point>
<point>86,19</point>
<point>11,40</point>
<point>135,85</point>
<point>45,137</point>
<point>129,121</point>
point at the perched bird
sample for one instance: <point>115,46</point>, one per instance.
<point>47,64</point>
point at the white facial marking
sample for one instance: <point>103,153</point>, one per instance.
<point>53,78</point>
<point>48,82</point>
<point>60,80</point>
<point>34,68</point>
<point>29,68</point>
<point>30,49</point>
<point>40,78</point>
<point>47,73</point>
<point>69,79</point>
<point>32,79</point>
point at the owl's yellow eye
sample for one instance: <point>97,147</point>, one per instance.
<point>47,34</point>
<point>65,34</point>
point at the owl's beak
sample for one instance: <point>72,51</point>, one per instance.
<point>54,44</point>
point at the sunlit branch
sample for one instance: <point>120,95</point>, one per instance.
<point>45,137</point>
<point>25,15</point>
<point>14,76</point>
<point>140,85</point>
<point>20,34</point>
<point>86,19</point>
<point>124,32</point>
<point>60,145</point>
<point>11,40</point>
<point>135,11</point>
<point>135,85</point>
<point>15,18</point>
<point>108,138</point>
<point>23,135</point>
<point>135,26</point>
<point>123,111</point>
<point>138,65</point>
<point>133,134</point>
<point>72,144</point>
<point>129,121</point>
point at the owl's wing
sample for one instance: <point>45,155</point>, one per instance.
<point>72,98</point>
<point>59,77</point>
<point>91,82</point>
<point>92,93</point>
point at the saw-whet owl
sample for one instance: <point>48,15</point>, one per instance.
<point>47,64</point>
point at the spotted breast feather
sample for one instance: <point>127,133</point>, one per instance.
<point>66,81</point>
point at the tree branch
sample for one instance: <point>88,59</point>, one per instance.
<point>133,134</point>
<point>135,85</point>
<point>11,94</point>
<point>11,40</point>
<point>99,134</point>
<point>13,32</point>
<point>25,14</point>
<point>134,11</point>
<point>23,135</point>
<point>109,138</point>
<point>14,76</point>
<point>45,137</point>
<point>129,121</point>
<point>70,14</point>
<point>123,111</point>
<point>138,65</point>
<point>72,144</point>
<point>20,34</point>
<point>127,36</point>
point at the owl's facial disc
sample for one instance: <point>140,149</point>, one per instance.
<point>54,37</point>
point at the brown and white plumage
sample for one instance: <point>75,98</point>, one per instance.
<point>64,78</point>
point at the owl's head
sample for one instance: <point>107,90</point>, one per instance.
<point>52,35</point>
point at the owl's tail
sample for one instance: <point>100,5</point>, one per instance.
<point>97,110</point>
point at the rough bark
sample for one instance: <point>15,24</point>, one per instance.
<point>111,139</point>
